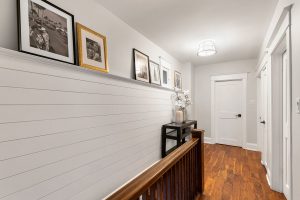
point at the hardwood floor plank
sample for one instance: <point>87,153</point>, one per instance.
<point>232,173</point>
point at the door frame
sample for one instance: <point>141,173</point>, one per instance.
<point>280,33</point>
<point>287,126</point>
<point>222,78</point>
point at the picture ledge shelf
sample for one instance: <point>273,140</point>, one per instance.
<point>37,59</point>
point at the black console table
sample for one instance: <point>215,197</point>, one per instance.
<point>174,131</point>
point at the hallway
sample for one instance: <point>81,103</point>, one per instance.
<point>233,173</point>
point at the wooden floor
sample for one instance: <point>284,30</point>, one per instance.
<point>233,173</point>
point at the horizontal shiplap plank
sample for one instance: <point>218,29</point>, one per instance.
<point>102,167</point>
<point>21,79</point>
<point>23,113</point>
<point>22,96</point>
<point>14,131</point>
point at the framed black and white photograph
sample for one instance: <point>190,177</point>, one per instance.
<point>177,80</point>
<point>92,49</point>
<point>141,65</point>
<point>155,73</point>
<point>46,30</point>
<point>165,74</point>
<point>165,77</point>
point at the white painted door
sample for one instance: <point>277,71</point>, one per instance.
<point>228,112</point>
<point>264,115</point>
<point>286,127</point>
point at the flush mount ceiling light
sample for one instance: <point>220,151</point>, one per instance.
<point>207,48</point>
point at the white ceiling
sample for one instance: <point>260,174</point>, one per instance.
<point>237,26</point>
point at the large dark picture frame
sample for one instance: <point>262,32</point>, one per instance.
<point>46,30</point>
<point>141,65</point>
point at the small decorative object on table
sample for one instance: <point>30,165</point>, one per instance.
<point>181,101</point>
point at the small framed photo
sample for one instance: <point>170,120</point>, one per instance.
<point>155,73</point>
<point>177,81</point>
<point>46,30</point>
<point>165,77</point>
<point>92,49</point>
<point>141,65</point>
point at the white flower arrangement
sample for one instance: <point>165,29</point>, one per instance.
<point>182,99</point>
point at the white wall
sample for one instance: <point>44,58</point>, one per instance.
<point>188,84</point>
<point>295,94</point>
<point>121,38</point>
<point>66,132</point>
<point>202,89</point>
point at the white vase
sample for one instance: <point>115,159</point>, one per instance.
<point>179,117</point>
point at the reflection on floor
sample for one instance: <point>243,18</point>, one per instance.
<point>232,173</point>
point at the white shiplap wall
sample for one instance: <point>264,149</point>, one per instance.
<point>69,133</point>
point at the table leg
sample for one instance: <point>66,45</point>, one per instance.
<point>163,142</point>
<point>179,134</point>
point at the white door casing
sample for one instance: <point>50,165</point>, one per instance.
<point>286,125</point>
<point>264,116</point>
<point>228,101</point>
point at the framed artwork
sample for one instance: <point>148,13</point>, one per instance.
<point>155,73</point>
<point>165,77</point>
<point>141,65</point>
<point>46,30</point>
<point>92,49</point>
<point>177,80</point>
<point>165,67</point>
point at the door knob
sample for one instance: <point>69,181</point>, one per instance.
<point>263,122</point>
<point>239,115</point>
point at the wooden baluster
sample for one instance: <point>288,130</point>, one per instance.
<point>177,181</point>
<point>181,178</point>
<point>170,186</point>
<point>173,183</point>
<point>184,178</point>
<point>157,188</point>
<point>193,172</point>
<point>153,191</point>
<point>200,158</point>
<point>193,175</point>
<point>167,186</point>
<point>189,175</point>
<point>161,188</point>
<point>148,194</point>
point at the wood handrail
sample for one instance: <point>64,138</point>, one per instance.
<point>142,183</point>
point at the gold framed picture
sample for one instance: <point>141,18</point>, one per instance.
<point>92,49</point>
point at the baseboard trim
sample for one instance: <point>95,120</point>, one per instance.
<point>268,180</point>
<point>209,140</point>
<point>251,147</point>
<point>248,146</point>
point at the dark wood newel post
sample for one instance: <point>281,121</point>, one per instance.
<point>199,134</point>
